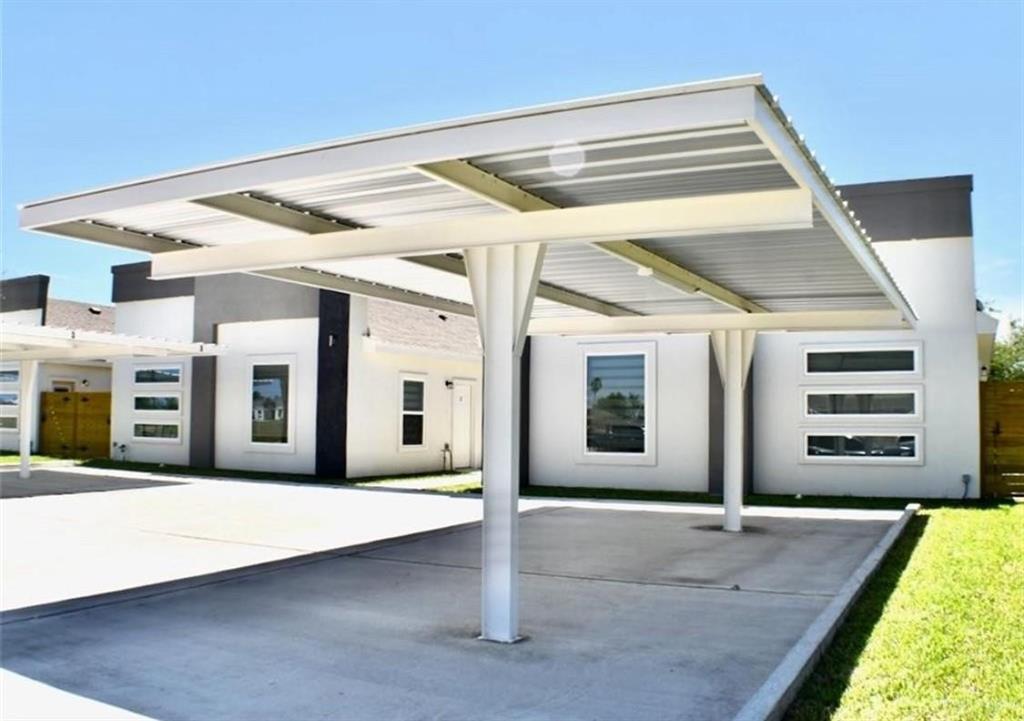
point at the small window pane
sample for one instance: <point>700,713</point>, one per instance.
<point>158,375</point>
<point>9,376</point>
<point>8,423</point>
<point>615,404</point>
<point>157,403</point>
<point>866,361</point>
<point>412,429</point>
<point>862,446</point>
<point>412,395</point>
<point>156,430</point>
<point>270,404</point>
<point>861,404</point>
<point>8,399</point>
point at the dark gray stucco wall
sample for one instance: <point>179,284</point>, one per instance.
<point>524,415</point>
<point>233,298</point>
<point>332,385</point>
<point>28,292</point>
<point>131,282</point>
<point>910,209</point>
<point>716,431</point>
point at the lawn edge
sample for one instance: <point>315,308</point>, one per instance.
<point>771,700</point>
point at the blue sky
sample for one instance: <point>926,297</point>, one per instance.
<point>95,93</point>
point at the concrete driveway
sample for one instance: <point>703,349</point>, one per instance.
<point>633,611</point>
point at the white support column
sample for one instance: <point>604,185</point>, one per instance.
<point>26,409</point>
<point>734,351</point>
<point>504,281</point>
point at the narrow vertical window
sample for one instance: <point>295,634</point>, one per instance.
<point>616,399</point>
<point>412,413</point>
<point>270,403</point>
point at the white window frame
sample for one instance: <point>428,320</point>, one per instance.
<point>63,381</point>
<point>156,422</point>
<point>180,367</point>
<point>915,346</point>
<point>16,422</point>
<point>648,349</point>
<point>916,417</point>
<point>17,398</point>
<point>402,413</point>
<point>290,426</point>
<point>151,413</point>
<point>916,431</point>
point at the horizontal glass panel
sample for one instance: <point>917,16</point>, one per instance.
<point>158,375</point>
<point>8,399</point>
<point>9,423</point>
<point>9,376</point>
<point>412,395</point>
<point>861,404</point>
<point>860,361</point>
<point>615,404</point>
<point>157,403</point>
<point>270,404</point>
<point>156,430</point>
<point>866,446</point>
<point>412,429</point>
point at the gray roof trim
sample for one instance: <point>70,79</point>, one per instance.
<point>25,293</point>
<point>132,283</point>
<point>914,209</point>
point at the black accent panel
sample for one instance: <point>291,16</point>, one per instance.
<point>913,209</point>
<point>332,385</point>
<point>132,282</point>
<point>524,416</point>
<point>26,293</point>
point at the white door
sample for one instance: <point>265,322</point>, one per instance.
<point>462,424</point>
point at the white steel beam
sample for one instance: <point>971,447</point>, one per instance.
<point>504,282</point>
<point>251,207</point>
<point>733,349</point>
<point>27,400</point>
<point>704,322</point>
<point>497,191</point>
<point>740,212</point>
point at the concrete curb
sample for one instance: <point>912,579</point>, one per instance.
<point>770,701</point>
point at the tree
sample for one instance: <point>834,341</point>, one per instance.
<point>1008,355</point>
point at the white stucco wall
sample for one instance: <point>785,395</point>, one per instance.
<point>375,373</point>
<point>557,398</point>
<point>271,341</point>
<point>937,278</point>
<point>169,318</point>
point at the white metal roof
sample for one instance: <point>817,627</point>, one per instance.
<point>49,343</point>
<point>700,139</point>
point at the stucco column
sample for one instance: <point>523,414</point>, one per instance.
<point>504,281</point>
<point>27,400</point>
<point>733,350</point>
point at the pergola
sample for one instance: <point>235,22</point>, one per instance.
<point>688,209</point>
<point>29,344</point>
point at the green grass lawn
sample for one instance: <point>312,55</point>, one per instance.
<point>8,458</point>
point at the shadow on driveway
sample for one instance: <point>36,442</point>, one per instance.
<point>55,483</point>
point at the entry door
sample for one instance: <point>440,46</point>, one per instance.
<point>462,424</point>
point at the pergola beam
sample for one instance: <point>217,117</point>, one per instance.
<point>253,207</point>
<point>464,176</point>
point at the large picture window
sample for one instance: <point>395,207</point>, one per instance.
<point>894,403</point>
<point>896,446</point>
<point>270,403</point>
<point>616,390</point>
<point>413,397</point>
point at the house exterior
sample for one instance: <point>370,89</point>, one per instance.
<point>26,301</point>
<point>308,381</point>
<point>867,413</point>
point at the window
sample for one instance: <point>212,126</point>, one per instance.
<point>158,402</point>
<point>8,399</point>
<point>8,423</point>
<point>62,385</point>
<point>861,360</point>
<point>156,431</point>
<point>413,392</point>
<point>158,375</point>
<point>616,403</point>
<point>863,446</point>
<point>269,410</point>
<point>9,376</point>
<point>868,402</point>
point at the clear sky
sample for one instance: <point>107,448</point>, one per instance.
<point>95,93</point>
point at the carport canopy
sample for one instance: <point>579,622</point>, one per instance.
<point>30,344</point>
<point>691,208</point>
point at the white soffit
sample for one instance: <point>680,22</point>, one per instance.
<point>711,138</point>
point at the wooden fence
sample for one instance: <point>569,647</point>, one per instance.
<point>1002,438</point>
